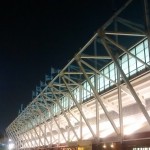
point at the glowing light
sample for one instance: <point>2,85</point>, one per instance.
<point>9,140</point>
<point>129,120</point>
<point>105,125</point>
<point>11,146</point>
<point>112,145</point>
<point>132,128</point>
<point>106,133</point>
<point>86,133</point>
<point>104,146</point>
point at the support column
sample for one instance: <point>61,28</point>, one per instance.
<point>98,98</point>
<point>127,82</point>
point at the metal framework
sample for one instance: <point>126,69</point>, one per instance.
<point>100,92</point>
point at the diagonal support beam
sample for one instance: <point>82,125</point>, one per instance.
<point>126,51</point>
<point>109,105</point>
<point>46,123</point>
<point>127,82</point>
<point>79,108</point>
<point>94,57</point>
<point>98,72</point>
<point>36,133</point>
<point>130,25</point>
<point>55,120</point>
<point>127,91</point>
<point>98,98</point>
<point>62,110</point>
<point>124,33</point>
<point>41,114</point>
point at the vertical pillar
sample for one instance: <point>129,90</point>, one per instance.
<point>137,99</point>
<point>96,88</point>
<point>147,22</point>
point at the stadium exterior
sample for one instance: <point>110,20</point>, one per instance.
<point>101,98</point>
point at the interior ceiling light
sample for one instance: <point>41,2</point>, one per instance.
<point>104,146</point>
<point>112,145</point>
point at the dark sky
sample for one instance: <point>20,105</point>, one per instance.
<point>37,35</point>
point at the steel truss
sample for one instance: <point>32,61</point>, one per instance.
<point>61,113</point>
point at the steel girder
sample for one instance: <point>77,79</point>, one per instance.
<point>59,109</point>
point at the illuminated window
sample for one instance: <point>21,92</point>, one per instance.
<point>129,65</point>
<point>124,63</point>
<point>106,73</point>
<point>132,63</point>
<point>101,83</point>
<point>112,73</point>
<point>141,148</point>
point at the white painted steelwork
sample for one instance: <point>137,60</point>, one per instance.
<point>102,92</point>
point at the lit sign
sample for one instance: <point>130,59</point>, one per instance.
<point>69,148</point>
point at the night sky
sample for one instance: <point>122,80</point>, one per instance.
<point>37,35</point>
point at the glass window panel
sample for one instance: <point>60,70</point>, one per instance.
<point>125,67</point>
<point>111,66</point>
<point>140,66</point>
<point>124,58</point>
<point>106,83</point>
<point>77,94</point>
<point>141,55</point>
<point>101,83</point>
<point>88,91</point>
<point>139,48</point>
<point>74,93</point>
<point>112,76</point>
<point>92,80</point>
<point>71,102</point>
<point>106,73</point>
<point>106,70</point>
<point>98,82</point>
<point>146,43</point>
<point>55,109</point>
<point>147,54</point>
<point>84,90</point>
<point>132,51</point>
<point>68,101</point>
<point>132,65</point>
<point>65,102</point>
<point>82,93</point>
<point>111,71</point>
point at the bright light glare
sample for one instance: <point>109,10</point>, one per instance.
<point>104,146</point>
<point>9,140</point>
<point>11,146</point>
<point>106,133</point>
<point>86,134</point>
<point>129,120</point>
<point>105,125</point>
<point>132,128</point>
<point>112,145</point>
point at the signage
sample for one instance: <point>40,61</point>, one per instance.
<point>69,148</point>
